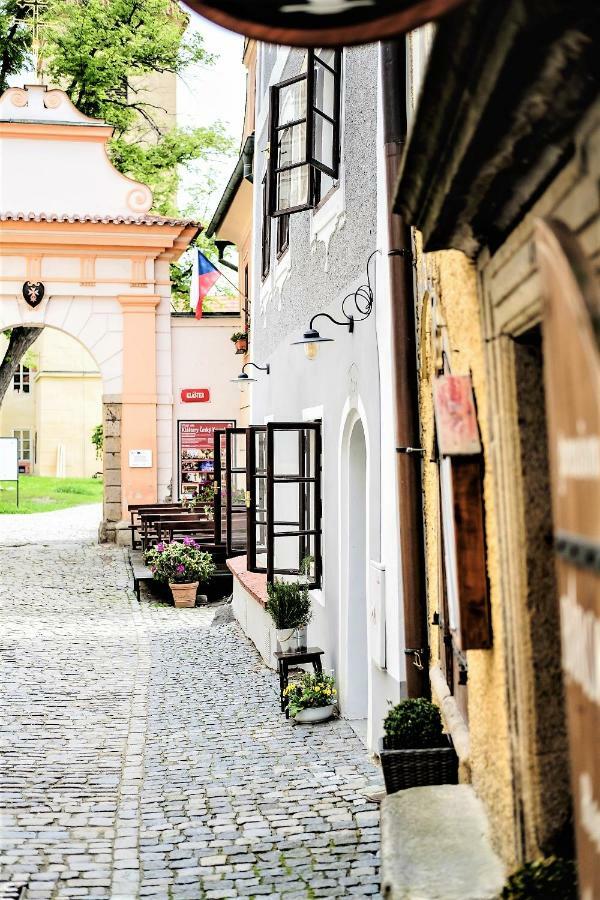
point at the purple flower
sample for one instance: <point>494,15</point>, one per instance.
<point>188,541</point>
<point>160,547</point>
<point>180,569</point>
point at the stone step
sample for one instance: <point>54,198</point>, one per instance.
<point>435,846</point>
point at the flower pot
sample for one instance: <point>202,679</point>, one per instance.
<point>302,638</point>
<point>417,768</point>
<point>184,595</point>
<point>317,714</point>
<point>286,639</point>
<point>241,346</point>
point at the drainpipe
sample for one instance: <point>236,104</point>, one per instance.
<point>404,365</point>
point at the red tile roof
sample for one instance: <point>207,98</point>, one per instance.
<point>100,220</point>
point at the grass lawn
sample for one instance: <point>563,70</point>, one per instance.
<point>46,494</point>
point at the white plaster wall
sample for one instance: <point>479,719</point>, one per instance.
<point>203,357</point>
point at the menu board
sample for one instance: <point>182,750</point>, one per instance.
<point>196,453</point>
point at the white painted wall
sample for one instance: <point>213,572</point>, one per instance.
<point>202,356</point>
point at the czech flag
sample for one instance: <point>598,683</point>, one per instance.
<point>204,275</point>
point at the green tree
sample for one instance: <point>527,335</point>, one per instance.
<point>101,52</point>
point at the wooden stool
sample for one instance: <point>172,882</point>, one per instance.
<point>295,657</point>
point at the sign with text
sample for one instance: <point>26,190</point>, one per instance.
<point>140,459</point>
<point>9,459</point>
<point>572,378</point>
<point>195,395</point>
<point>196,451</point>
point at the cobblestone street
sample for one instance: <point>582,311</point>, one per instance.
<point>143,752</point>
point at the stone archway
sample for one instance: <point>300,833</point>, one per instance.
<point>108,360</point>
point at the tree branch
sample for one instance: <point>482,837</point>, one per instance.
<point>20,341</point>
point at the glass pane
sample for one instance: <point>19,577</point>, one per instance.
<point>326,55</point>
<point>292,188</point>
<point>291,145</point>
<point>287,507</point>
<point>324,96</point>
<point>292,102</point>
<point>323,141</point>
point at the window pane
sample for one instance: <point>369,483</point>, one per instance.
<point>326,55</point>
<point>291,145</point>
<point>324,96</point>
<point>292,102</point>
<point>292,188</point>
<point>323,142</point>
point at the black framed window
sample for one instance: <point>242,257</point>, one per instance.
<point>284,505</point>
<point>230,489</point>
<point>22,379</point>
<point>305,134</point>
<point>266,229</point>
<point>283,234</point>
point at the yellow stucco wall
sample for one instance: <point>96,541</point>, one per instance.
<point>63,407</point>
<point>448,282</point>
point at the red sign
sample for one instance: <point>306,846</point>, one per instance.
<point>455,416</point>
<point>196,455</point>
<point>195,395</point>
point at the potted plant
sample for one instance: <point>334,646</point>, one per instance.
<point>289,606</point>
<point>415,751</point>
<point>240,339</point>
<point>312,698</point>
<point>183,565</point>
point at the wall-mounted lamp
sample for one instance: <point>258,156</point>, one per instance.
<point>363,299</point>
<point>242,379</point>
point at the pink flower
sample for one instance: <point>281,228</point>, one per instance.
<point>180,569</point>
<point>188,541</point>
<point>160,547</point>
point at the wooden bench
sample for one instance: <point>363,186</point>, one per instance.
<point>140,570</point>
<point>166,526</point>
<point>135,509</point>
<point>221,584</point>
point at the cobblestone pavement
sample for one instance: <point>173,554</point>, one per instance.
<point>143,754</point>
<point>79,523</point>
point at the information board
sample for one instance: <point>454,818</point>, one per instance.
<point>196,454</point>
<point>9,459</point>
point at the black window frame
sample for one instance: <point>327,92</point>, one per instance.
<point>265,264</point>
<point>313,165</point>
<point>283,234</point>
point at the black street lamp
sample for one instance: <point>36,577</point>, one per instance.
<point>242,379</point>
<point>363,299</point>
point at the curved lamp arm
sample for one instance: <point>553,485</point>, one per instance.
<point>266,368</point>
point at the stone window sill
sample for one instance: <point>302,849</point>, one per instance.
<point>254,583</point>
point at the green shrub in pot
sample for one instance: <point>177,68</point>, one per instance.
<point>413,724</point>
<point>289,606</point>
<point>552,878</point>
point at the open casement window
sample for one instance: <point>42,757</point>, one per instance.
<point>294,499</point>
<point>304,133</point>
<point>256,444</point>
<point>230,489</point>
<point>220,487</point>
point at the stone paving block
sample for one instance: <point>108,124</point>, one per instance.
<point>136,765</point>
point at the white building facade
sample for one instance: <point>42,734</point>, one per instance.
<point>305,264</point>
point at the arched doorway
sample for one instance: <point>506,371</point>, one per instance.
<point>354,646</point>
<point>55,407</point>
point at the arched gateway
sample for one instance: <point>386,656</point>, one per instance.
<point>71,222</point>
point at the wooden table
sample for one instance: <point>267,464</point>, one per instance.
<point>295,658</point>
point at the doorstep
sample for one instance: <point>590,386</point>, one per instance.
<point>435,846</point>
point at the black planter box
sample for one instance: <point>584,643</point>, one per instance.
<point>417,768</point>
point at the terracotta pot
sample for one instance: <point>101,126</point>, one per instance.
<point>242,345</point>
<point>184,595</point>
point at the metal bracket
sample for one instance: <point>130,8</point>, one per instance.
<point>403,252</point>
<point>418,451</point>
<point>419,654</point>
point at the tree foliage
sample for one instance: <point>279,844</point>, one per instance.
<point>103,53</point>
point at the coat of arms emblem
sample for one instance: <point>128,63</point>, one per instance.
<point>33,292</point>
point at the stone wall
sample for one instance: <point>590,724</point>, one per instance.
<point>111,513</point>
